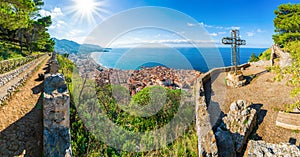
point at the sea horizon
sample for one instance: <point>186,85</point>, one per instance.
<point>201,59</point>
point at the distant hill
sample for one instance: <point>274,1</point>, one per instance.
<point>68,46</point>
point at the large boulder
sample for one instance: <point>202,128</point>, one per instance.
<point>240,121</point>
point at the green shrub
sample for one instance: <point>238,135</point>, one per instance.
<point>253,58</point>
<point>266,55</point>
<point>84,143</point>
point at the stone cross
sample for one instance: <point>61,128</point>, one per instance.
<point>235,42</point>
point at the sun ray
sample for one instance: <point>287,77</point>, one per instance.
<point>90,11</point>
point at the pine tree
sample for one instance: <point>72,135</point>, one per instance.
<point>287,24</point>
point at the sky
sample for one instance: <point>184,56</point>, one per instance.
<point>126,23</point>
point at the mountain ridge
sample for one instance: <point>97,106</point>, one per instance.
<point>72,47</point>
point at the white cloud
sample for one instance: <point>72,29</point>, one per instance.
<point>259,30</point>
<point>201,24</point>
<point>61,22</point>
<point>234,27</point>
<point>250,34</point>
<point>57,24</point>
<point>53,13</point>
<point>45,13</point>
<point>170,42</point>
<point>213,34</point>
<point>218,27</point>
<point>221,33</point>
<point>191,24</point>
<point>56,12</point>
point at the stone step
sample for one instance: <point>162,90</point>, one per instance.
<point>288,120</point>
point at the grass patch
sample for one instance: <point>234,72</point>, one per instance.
<point>295,131</point>
<point>4,103</point>
<point>290,107</point>
<point>246,120</point>
<point>277,109</point>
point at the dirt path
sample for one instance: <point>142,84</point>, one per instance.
<point>262,90</point>
<point>21,128</point>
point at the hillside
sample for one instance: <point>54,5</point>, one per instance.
<point>68,46</point>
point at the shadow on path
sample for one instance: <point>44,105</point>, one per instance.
<point>25,135</point>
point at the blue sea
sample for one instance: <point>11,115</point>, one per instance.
<point>201,59</point>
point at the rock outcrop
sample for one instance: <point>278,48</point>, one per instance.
<point>261,148</point>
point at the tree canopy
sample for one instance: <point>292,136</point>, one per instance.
<point>287,28</point>
<point>21,27</point>
<point>287,24</point>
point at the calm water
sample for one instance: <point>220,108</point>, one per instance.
<point>201,59</point>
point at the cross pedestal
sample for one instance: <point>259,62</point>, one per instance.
<point>235,78</point>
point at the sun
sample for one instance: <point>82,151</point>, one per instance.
<point>88,10</point>
<point>85,6</point>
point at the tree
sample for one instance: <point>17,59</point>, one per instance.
<point>287,24</point>
<point>37,37</point>
<point>21,25</point>
<point>253,58</point>
<point>287,27</point>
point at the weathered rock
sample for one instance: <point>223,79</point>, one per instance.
<point>235,80</point>
<point>261,148</point>
<point>56,116</point>
<point>285,57</point>
<point>225,143</point>
<point>207,144</point>
<point>57,141</point>
<point>240,121</point>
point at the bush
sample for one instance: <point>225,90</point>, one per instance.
<point>253,58</point>
<point>84,143</point>
<point>266,55</point>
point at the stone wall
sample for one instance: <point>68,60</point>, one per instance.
<point>285,57</point>
<point>9,82</point>
<point>11,64</point>
<point>56,111</point>
<point>6,77</point>
<point>207,145</point>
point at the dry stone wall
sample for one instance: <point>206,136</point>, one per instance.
<point>9,82</point>
<point>11,64</point>
<point>56,111</point>
<point>207,143</point>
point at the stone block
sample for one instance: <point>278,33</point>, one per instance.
<point>240,121</point>
<point>235,80</point>
<point>261,148</point>
<point>56,116</point>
